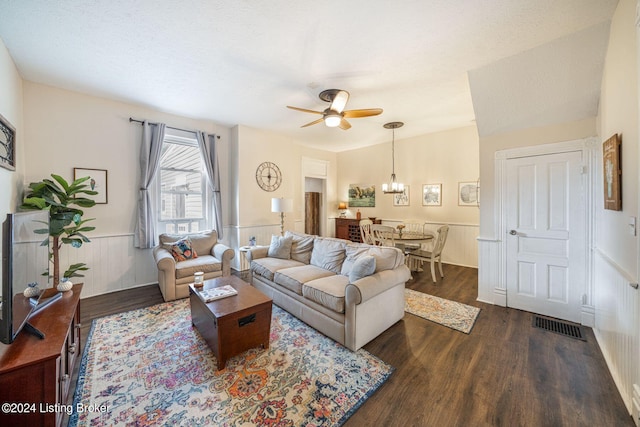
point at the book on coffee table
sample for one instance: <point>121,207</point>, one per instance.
<point>213,294</point>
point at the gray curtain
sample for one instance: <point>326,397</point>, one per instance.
<point>150,150</point>
<point>209,149</point>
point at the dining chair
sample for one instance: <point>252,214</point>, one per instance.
<point>365,231</point>
<point>435,254</point>
<point>413,228</point>
<point>382,235</point>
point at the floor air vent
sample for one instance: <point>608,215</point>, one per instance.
<point>559,327</point>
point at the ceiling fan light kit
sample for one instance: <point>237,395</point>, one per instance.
<point>332,120</point>
<point>334,115</point>
<point>393,186</point>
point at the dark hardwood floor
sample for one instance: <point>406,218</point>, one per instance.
<point>504,373</point>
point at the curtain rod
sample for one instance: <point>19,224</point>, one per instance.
<point>131,119</point>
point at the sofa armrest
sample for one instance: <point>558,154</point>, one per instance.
<point>257,252</point>
<point>164,259</point>
<point>368,287</point>
<point>225,254</point>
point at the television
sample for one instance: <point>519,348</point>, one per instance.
<point>25,260</point>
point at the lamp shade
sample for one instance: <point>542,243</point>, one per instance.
<point>342,205</point>
<point>281,204</point>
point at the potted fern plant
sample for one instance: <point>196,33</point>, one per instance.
<point>63,200</point>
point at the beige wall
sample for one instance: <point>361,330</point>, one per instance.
<point>619,114</point>
<point>254,146</point>
<point>446,157</point>
<point>65,129</point>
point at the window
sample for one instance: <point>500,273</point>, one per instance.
<point>184,204</point>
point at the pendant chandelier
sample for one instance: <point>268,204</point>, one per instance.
<point>393,187</point>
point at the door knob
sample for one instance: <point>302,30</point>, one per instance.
<point>513,232</point>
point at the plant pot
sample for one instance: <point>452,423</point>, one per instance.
<point>65,286</point>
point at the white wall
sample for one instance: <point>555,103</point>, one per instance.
<point>619,114</point>
<point>617,304</point>
<point>63,130</point>
<point>11,110</point>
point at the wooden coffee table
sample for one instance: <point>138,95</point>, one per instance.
<point>233,324</point>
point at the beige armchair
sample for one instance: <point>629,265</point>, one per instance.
<point>174,278</point>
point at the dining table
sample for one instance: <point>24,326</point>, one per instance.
<point>408,241</point>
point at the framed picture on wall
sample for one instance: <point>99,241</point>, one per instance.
<point>612,173</point>
<point>7,144</point>
<point>402,199</point>
<point>468,193</point>
<point>97,182</point>
<point>362,196</point>
<point>432,195</point>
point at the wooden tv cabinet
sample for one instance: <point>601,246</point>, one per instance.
<point>35,374</point>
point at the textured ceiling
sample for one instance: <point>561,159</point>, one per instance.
<point>242,61</point>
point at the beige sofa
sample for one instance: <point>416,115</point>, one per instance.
<point>322,282</point>
<point>214,260</point>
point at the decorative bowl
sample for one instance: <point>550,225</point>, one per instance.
<point>31,291</point>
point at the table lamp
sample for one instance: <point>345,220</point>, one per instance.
<point>281,205</point>
<point>343,207</point>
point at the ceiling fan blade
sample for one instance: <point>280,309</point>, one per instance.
<point>339,101</point>
<point>304,110</point>
<point>313,122</point>
<point>362,113</point>
<point>344,124</point>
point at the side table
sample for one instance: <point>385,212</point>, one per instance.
<point>244,262</point>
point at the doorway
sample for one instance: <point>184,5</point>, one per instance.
<point>544,220</point>
<point>313,197</point>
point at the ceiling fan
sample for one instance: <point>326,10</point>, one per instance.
<point>336,115</point>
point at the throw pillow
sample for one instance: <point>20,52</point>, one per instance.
<point>182,250</point>
<point>280,247</point>
<point>301,246</point>
<point>363,267</point>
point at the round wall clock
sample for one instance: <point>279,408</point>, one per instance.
<point>268,176</point>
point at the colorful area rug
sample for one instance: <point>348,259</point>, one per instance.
<point>151,367</point>
<point>454,315</point>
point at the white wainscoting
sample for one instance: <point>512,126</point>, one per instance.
<point>491,286</point>
<point>114,264</point>
<point>238,236</point>
<point>617,323</point>
<point>461,247</point>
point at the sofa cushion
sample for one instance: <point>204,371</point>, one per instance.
<point>364,265</point>
<point>328,253</point>
<point>204,263</point>
<point>293,278</point>
<point>327,291</point>
<point>387,258</point>
<point>202,242</point>
<point>280,247</point>
<point>301,246</point>
<point>182,250</point>
<point>266,267</point>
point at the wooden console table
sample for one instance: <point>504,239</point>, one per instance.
<point>35,374</point>
<point>349,228</point>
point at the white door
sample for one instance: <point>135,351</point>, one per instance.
<point>546,236</point>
